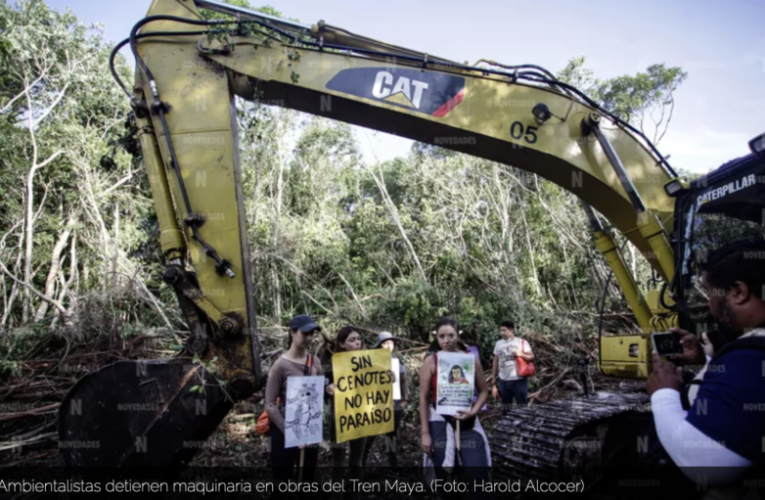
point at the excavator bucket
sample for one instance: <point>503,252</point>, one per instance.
<point>140,413</point>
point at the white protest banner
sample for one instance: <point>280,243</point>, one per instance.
<point>303,414</point>
<point>396,368</point>
<point>454,382</point>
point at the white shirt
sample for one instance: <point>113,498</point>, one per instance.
<point>508,369</point>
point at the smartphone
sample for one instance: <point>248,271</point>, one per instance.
<point>666,343</point>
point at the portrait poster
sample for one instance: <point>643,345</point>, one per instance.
<point>455,379</point>
<point>303,413</point>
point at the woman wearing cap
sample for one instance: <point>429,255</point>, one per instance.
<point>386,340</point>
<point>296,362</point>
<point>439,431</point>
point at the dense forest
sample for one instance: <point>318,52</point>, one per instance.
<point>387,245</point>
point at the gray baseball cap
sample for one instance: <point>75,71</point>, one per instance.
<point>383,336</point>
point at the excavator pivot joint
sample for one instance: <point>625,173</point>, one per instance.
<point>229,326</point>
<point>171,275</point>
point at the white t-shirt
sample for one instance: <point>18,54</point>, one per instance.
<point>504,349</point>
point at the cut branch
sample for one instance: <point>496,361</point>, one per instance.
<point>32,289</point>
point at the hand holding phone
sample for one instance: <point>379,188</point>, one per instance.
<point>693,349</point>
<point>667,343</point>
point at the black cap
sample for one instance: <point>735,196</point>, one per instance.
<point>304,323</point>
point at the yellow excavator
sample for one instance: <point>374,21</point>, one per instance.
<point>189,69</point>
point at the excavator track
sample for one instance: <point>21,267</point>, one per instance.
<point>574,439</point>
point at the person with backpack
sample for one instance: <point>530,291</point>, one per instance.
<point>442,450</point>
<point>296,362</point>
<point>348,339</point>
<point>509,382</point>
<point>720,412</point>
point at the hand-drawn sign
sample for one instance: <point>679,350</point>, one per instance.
<point>455,381</point>
<point>363,393</point>
<point>303,411</point>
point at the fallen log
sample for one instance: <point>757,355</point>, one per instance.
<point>4,417</point>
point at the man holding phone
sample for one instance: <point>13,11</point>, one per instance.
<point>719,426</point>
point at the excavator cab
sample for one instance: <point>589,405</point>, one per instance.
<point>723,206</point>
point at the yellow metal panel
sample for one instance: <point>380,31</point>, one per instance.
<point>202,136</point>
<point>625,356</point>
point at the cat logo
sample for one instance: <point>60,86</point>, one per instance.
<point>384,88</point>
<point>432,93</point>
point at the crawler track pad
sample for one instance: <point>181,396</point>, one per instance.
<point>140,413</point>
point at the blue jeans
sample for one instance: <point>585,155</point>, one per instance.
<point>514,390</point>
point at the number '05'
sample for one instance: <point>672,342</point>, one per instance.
<point>518,132</point>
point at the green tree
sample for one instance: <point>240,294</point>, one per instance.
<point>637,99</point>
<point>68,224</point>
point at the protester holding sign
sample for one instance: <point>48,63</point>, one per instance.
<point>363,394</point>
<point>387,341</point>
<point>348,340</point>
<point>445,443</point>
<point>296,362</point>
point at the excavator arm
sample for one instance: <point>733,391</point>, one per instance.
<point>183,97</point>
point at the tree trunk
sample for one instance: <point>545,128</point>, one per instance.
<point>277,220</point>
<point>537,286</point>
<point>55,267</point>
<point>66,285</point>
<point>394,213</point>
<point>568,268</point>
<point>28,238</point>
<point>30,196</point>
<point>115,274</point>
<point>15,286</point>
